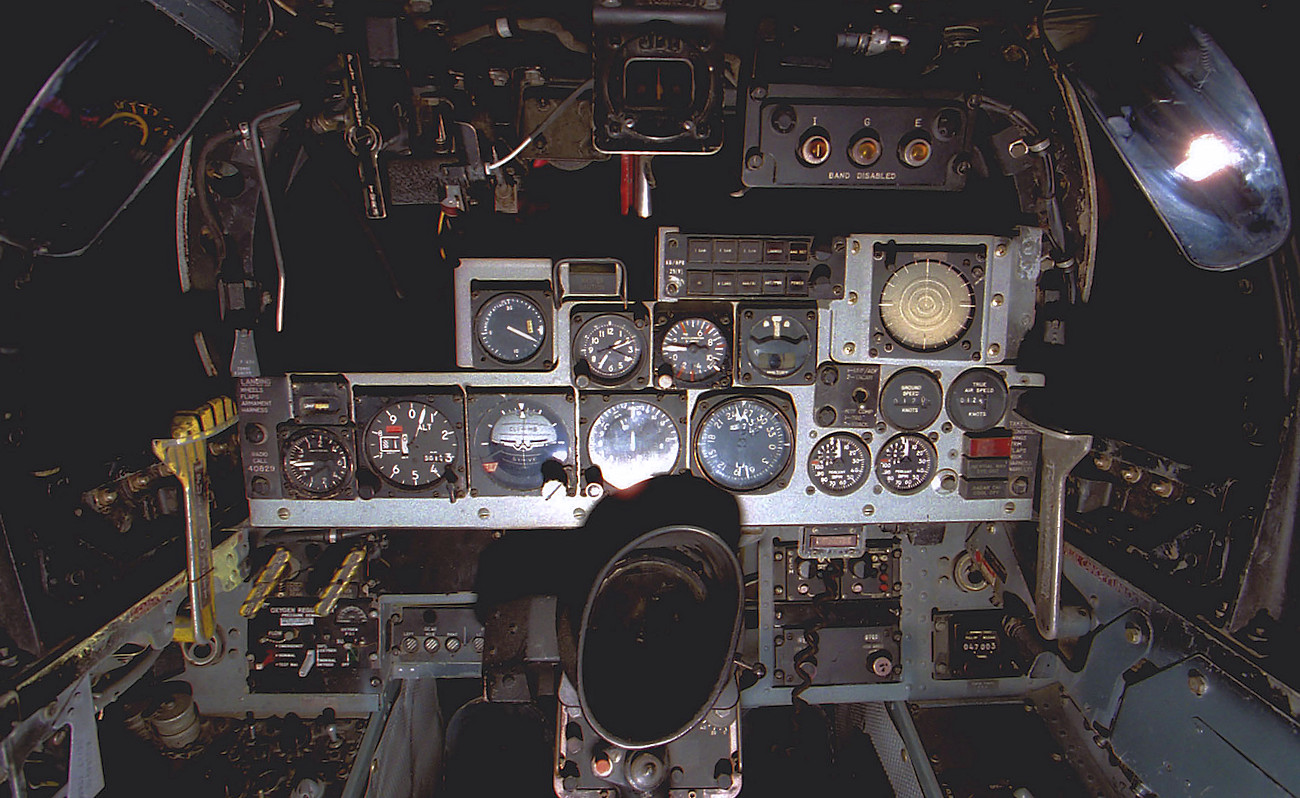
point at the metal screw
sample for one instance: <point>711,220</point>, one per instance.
<point>855,248</point>
<point>849,347</point>
<point>282,513</point>
<point>1197,683</point>
<point>1000,250</point>
<point>998,299</point>
<point>868,509</point>
<point>1133,635</point>
<point>484,513</point>
<point>1131,475</point>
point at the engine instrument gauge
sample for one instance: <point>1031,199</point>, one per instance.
<point>927,305</point>
<point>316,462</point>
<point>510,327</point>
<point>410,444</point>
<point>632,441</point>
<point>611,345</point>
<point>839,463</point>
<point>778,345</point>
<point>906,463</point>
<point>743,444</point>
<point>515,439</point>
<point>695,349</point>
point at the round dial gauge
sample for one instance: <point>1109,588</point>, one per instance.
<point>778,345</point>
<point>515,439</point>
<point>743,444</point>
<point>977,400</point>
<point>906,463</point>
<point>927,305</point>
<point>695,349</point>
<point>911,399</point>
<point>611,345</point>
<point>316,462</point>
<point>510,328</point>
<point>410,444</point>
<point>632,441</point>
<point>839,464</point>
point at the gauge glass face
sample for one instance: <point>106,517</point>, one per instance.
<point>695,349</point>
<point>911,399</point>
<point>632,441</point>
<point>611,345</point>
<point>743,444</point>
<point>839,464</point>
<point>906,463</point>
<point>778,345</point>
<point>658,84</point>
<point>977,400</point>
<point>316,462</point>
<point>410,444</point>
<point>515,439</point>
<point>510,328</point>
<point>927,305</point>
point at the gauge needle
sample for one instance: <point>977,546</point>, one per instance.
<point>632,445</point>
<point>522,334</point>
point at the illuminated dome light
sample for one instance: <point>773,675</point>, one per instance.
<point>1206,156</point>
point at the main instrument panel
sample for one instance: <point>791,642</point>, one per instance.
<point>869,381</point>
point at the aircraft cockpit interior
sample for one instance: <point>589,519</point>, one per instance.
<point>649,399</point>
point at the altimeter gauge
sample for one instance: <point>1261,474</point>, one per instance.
<point>410,444</point>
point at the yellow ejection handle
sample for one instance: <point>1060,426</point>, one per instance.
<point>185,454</point>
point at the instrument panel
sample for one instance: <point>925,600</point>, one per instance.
<point>566,397</point>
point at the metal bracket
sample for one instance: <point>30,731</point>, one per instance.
<point>1061,453</point>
